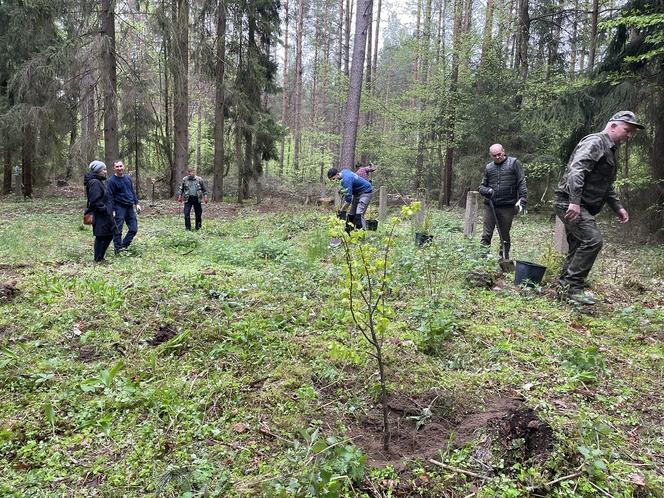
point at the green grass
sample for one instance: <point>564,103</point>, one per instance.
<point>254,393</point>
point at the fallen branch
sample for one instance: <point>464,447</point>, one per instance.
<point>556,481</point>
<point>457,469</point>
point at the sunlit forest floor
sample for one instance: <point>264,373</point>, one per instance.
<point>224,363</point>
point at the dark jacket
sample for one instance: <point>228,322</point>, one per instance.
<point>507,182</point>
<point>99,205</point>
<point>590,173</point>
<point>121,190</point>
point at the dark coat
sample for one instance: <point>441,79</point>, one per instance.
<point>590,174</point>
<point>99,205</point>
<point>507,182</point>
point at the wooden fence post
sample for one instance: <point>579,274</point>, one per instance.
<point>560,237</point>
<point>422,213</point>
<point>470,218</point>
<point>382,203</point>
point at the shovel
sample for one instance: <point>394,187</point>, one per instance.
<point>507,265</point>
<point>336,241</point>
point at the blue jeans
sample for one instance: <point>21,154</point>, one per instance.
<point>124,214</point>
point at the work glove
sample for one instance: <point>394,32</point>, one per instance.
<point>138,209</point>
<point>179,198</point>
<point>521,207</point>
<point>205,199</point>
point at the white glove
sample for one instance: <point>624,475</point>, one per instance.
<point>138,209</point>
<point>520,208</point>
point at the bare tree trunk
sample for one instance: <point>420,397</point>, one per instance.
<point>349,15</point>
<point>522,37</point>
<point>446,189</point>
<point>593,34</point>
<point>574,39</point>
<point>29,143</point>
<point>362,21</point>
<point>240,161</point>
<point>219,104</point>
<point>284,96</point>
<point>7,173</point>
<point>88,119</point>
<point>424,48</point>
<point>364,158</point>
<point>181,92</point>
<point>299,28</point>
<point>109,79</point>
<point>376,36</point>
<point>487,35</point>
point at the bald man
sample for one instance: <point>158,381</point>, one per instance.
<point>505,185</point>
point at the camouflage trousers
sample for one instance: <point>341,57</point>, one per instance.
<point>585,241</point>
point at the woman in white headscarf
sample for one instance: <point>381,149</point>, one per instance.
<point>99,206</point>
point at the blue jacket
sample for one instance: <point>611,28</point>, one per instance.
<point>121,190</point>
<point>352,184</point>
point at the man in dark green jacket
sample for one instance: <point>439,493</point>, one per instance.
<point>585,187</point>
<point>191,191</point>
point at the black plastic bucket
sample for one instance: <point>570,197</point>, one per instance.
<point>528,273</point>
<point>422,239</point>
<point>372,225</point>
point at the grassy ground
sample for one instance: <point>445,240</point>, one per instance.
<point>224,363</point>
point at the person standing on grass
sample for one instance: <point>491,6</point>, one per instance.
<point>586,185</point>
<point>365,171</point>
<point>357,193</point>
<point>99,205</point>
<point>125,206</point>
<point>504,184</point>
<point>192,190</point>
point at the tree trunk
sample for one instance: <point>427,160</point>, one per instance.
<point>446,189</point>
<point>522,38</point>
<point>7,173</point>
<point>284,96</point>
<point>181,92</point>
<point>487,34</point>
<point>593,34</point>
<point>574,39</point>
<point>376,36</point>
<point>219,103</point>
<point>362,21</point>
<point>349,15</point>
<point>299,28</point>
<point>29,142</point>
<point>88,119</point>
<point>109,79</point>
<point>424,48</point>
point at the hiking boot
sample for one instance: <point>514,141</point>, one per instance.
<point>581,298</point>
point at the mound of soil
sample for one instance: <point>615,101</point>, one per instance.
<point>162,335</point>
<point>422,427</point>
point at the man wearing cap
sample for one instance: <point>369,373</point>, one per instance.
<point>99,205</point>
<point>125,206</point>
<point>192,191</point>
<point>356,191</point>
<point>586,185</point>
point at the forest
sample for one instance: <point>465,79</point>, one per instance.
<point>275,350</point>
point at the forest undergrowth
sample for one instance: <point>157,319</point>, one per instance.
<point>225,363</point>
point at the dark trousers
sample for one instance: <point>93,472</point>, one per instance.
<point>585,241</point>
<point>198,211</point>
<point>505,215</point>
<point>124,214</point>
<point>101,244</point>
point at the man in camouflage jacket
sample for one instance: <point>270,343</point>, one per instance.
<point>192,191</point>
<point>586,185</point>
<point>504,184</point>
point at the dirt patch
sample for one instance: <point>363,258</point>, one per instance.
<point>421,427</point>
<point>87,354</point>
<point>162,335</point>
<point>8,290</point>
